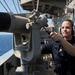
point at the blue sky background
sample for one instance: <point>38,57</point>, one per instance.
<point>11,6</point>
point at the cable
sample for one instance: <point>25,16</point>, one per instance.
<point>15,6</point>
<point>3,6</point>
<point>19,6</point>
<point>7,6</point>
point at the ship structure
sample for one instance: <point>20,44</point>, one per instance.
<point>30,30</point>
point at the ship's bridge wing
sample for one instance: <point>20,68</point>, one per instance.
<point>52,7</point>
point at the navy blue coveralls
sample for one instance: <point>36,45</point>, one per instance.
<point>63,62</point>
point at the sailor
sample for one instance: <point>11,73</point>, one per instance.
<point>62,48</point>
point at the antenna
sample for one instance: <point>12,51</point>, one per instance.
<point>37,5</point>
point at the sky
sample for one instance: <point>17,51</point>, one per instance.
<point>8,5</point>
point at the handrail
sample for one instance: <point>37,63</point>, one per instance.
<point>6,56</point>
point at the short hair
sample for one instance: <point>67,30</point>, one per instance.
<point>72,24</point>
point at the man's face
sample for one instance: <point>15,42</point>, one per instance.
<point>66,29</point>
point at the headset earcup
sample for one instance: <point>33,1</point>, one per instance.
<point>59,30</point>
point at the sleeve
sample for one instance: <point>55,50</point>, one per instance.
<point>46,48</point>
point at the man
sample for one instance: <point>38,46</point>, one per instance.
<point>62,48</point>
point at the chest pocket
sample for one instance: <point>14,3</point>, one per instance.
<point>73,44</point>
<point>63,56</point>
